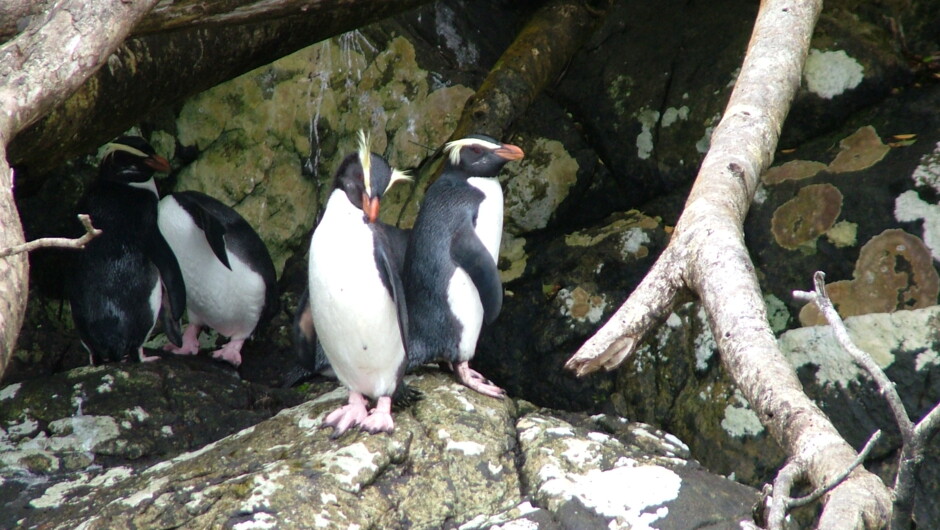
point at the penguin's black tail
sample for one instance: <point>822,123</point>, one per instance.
<point>405,396</point>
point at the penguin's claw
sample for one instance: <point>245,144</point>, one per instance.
<point>190,342</point>
<point>348,415</point>
<point>475,381</point>
<point>231,352</point>
<point>380,418</point>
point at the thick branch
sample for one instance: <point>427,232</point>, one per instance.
<point>709,241</point>
<point>56,242</point>
<point>537,57</point>
<point>161,69</point>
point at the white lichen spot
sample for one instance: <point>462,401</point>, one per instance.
<point>349,463</point>
<point>536,186</point>
<point>560,431</point>
<point>705,141</point>
<point>82,432</point>
<point>828,74</point>
<point>740,420</point>
<point>265,485</point>
<point>644,141</point>
<point>705,346</point>
<point>328,498</point>
<point>467,448</point>
<point>9,392</point>
<point>927,173</point>
<point>760,195</point>
<point>138,414</point>
<point>926,358</point>
<point>843,234</point>
<point>777,313</point>
<point>632,241</point>
<point>582,453</point>
<point>107,384</point>
<point>598,437</point>
<point>166,430</point>
<point>672,439</point>
<point>633,496</point>
<point>145,494</point>
<point>909,207</point>
<point>465,52</point>
<point>672,115</point>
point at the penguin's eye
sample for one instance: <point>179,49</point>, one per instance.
<point>476,149</point>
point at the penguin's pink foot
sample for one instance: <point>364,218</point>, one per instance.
<point>348,415</point>
<point>473,380</point>
<point>231,352</point>
<point>380,418</point>
<point>190,342</point>
<point>144,358</point>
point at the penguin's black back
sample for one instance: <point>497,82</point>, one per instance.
<point>112,278</point>
<point>215,217</point>
<point>449,210</point>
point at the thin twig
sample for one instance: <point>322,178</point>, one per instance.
<point>826,488</point>
<point>885,386</point>
<point>780,493</point>
<point>58,242</point>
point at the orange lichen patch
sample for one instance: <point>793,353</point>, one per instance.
<point>805,217</point>
<point>894,271</point>
<point>861,150</point>
<point>792,170</point>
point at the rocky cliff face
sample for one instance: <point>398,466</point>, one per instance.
<point>611,150</point>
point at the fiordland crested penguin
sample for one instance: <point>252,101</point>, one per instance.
<point>116,283</point>
<point>451,280</point>
<point>231,283</point>
<point>357,304</point>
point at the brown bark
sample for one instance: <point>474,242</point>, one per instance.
<point>537,57</point>
<point>707,256</point>
<point>158,69</point>
<point>40,68</point>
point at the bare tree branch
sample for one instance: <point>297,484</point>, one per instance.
<point>707,255</point>
<point>537,57</point>
<point>41,67</point>
<point>914,437</point>
<point>57,242</point>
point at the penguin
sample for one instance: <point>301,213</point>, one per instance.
<point>450,277</point>
<point>311,358</point>
<point>116,285</point>
<point>231,283</point>
<point>357,303</point>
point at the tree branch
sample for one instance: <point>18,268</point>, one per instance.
<point>537,57</point>
<point>707,255</point>
<point>57,242</point>
<point>914,437</point>
<point>41,67</point>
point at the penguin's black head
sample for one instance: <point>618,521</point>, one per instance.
<point>480,156</point>
<point>364,177</point>
<point>130,159</point>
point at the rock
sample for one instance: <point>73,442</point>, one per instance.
<point>456,458</point>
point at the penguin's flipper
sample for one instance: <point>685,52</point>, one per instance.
<point>310,354</point>
<point>171,326</point>
<point>161,255</point>
<point>470,255</point>
<point>208,222</point>
<point>391,278</point>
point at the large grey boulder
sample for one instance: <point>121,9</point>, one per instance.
<point>456,459</point>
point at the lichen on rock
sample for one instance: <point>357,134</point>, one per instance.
<point>894,271</point>
<point>798,222</point>
<point>860,150</point>
<point>792,170</point>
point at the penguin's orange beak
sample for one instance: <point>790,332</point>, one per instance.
<point>370,207</point>
<point>158,163</point>
<point>509,152</point>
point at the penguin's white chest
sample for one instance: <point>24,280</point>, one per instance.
<point>489,227</point>
<point>354,315</point>
<point>229,301</point>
